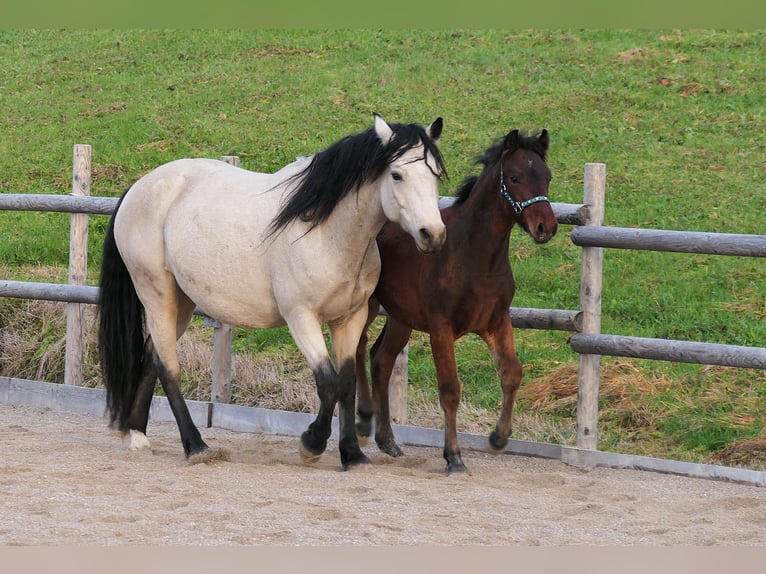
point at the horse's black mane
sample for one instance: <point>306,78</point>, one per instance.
<point>491,155</point>
<point>344,167</point>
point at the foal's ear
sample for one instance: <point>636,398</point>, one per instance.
<point>511,141</point>
<point>544,139</point>
<point>384,131</point>
<point>434,130</point>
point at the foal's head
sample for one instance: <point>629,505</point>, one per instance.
<point>524,178</point>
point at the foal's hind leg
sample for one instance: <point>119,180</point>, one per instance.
<point>383,356</point>
<point>500,344</point>
<point>364,403</point>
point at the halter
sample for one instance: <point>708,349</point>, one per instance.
<point>518,207</point>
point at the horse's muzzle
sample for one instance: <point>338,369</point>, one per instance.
<point>430,242</point>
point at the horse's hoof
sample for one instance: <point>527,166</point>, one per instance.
<point>356,462</point>
<point>307,456</point>
<point>309,452</point>
<point>208,455</point>
<point>497,443</point>
<point>363,440</point>
<point>138,441</point>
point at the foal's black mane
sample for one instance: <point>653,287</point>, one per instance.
<point>492,154</point>
<point>345,166</point>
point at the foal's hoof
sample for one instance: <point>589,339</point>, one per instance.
<point>497,443</point>
<point>363,440</point>
<point>390,448</point>
<point>363,430</point>
<point>455,464</point>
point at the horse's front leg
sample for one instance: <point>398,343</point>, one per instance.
<point>443,350</point>
<point>332,386</point>
<point>346,336</point>
<point>500,344</point>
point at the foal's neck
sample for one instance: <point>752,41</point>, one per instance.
<point>485,222</point>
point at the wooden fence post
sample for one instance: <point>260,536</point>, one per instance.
<point>78,268</point>
<point>590,305</point>
<point>222,338</point>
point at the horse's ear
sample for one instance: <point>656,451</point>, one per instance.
<point>434,130</point>
<point>544,139</point>
<point>511,140</point>
<point>384,131</point>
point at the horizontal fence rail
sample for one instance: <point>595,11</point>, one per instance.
<point>670,350</point>
<point>566,213</point>
<point>57,203</point>
<point>674,241</point>
<point>523,318</point>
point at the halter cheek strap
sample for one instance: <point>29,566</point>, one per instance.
<point>517,206</point>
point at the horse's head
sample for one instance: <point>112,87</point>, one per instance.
<point>524,181</point>
<point>409,189</point>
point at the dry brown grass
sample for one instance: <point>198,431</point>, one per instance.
<point>32,346</point>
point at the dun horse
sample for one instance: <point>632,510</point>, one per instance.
<point>255,250</point>
<point>466,288</point>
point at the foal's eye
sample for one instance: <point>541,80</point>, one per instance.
<point>396,175</point>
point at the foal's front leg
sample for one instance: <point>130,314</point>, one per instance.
<point>500,344</point>
<point>443,350</point>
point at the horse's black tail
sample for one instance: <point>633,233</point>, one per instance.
<point>121,331</point>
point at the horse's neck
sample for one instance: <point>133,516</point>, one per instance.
<point>358,218</point>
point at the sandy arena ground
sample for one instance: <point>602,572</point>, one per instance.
<point>66,479</point>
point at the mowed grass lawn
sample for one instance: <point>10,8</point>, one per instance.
<point>676,116</point>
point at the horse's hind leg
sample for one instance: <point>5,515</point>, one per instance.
<point>166,324</point>
<point>138,418</point>
<point>500,344</point>
<point>364,406</point>
<point>383,356</point>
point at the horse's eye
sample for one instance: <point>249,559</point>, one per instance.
<point>396,175</point>
<point>514,179</point>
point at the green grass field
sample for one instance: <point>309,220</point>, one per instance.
<point>677,117</point>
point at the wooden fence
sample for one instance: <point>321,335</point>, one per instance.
<point>587,340</point>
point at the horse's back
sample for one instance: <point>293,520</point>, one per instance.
<point>199,223</point>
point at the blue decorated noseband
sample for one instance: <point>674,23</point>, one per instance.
<point>517,206</point>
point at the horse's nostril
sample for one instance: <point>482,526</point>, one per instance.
<point>425,235</point>
<point>541,230</point>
